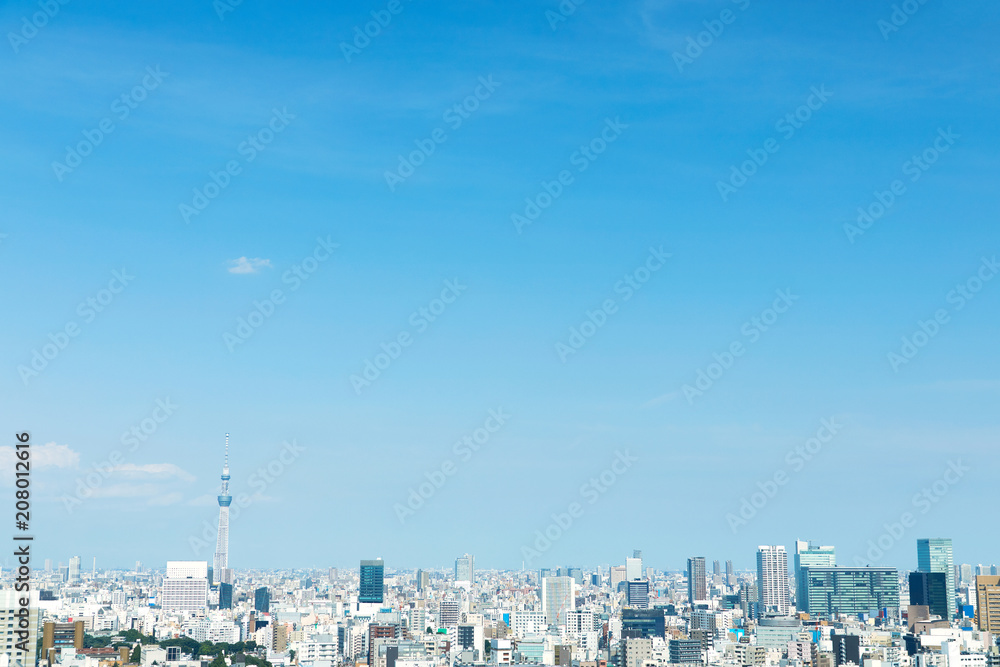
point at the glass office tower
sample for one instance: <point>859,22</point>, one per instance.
<point>934,555</point>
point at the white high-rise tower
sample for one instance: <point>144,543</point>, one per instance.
<point>220,566</point>
<point>772,579</point>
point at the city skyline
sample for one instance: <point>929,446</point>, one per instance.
<point>758,269</point>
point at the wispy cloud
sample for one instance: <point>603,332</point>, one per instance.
<point>156,470</point>
<point>248,265</point>
<point>49,455</point>
<point>659,400</point>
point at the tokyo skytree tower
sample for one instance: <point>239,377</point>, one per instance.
<point>220,566</point>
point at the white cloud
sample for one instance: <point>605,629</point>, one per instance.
<point>160,470</point>
<point>659,400</point>
<point>248,265</point>
<point>49,455</point>
<point>166,499</point>
<point>126,491</point>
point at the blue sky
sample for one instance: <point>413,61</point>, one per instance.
<point>679,132</point>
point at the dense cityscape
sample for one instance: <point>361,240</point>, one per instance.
<point>807,611</point>
<point>810,611</point>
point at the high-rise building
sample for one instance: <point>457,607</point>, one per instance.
<point>716,568</point>
<point>697,587</point>
<point>74,570</point>
<point>772,579</point>
<point>372,573</point>
<point>645,623</point>
<point>20,649</point>
<point>685,651</point>
<point>850,590</point>
<point>57,636</point>
<point>617,576</point>
<point>636,652</point>
<point>558,597</point>
<point>929,589</point>
<point>225,596</point>
<point>633,568</point>
<point>465,569</point>
<point>48,565</point>
<point>935,555</point>
<point>423,581</point>
<point>262,599</point>
<point>220,565</point>
<point>637,594</point>
<point>846,649</point>
<point>449,612</point>
<point>988,603</point>
<point>809,555</point>
<point>185,586</point>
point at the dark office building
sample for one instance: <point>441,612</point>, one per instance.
<point>930,589</point>
<point>466,636</point>
<point>643,623</point>
<point>846,648</point>
<point>262,600</point>
<point>225,596</point>
<point>685,650</point>
<point>372,572</point>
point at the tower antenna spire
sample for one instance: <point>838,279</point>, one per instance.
<point>220,564</point>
